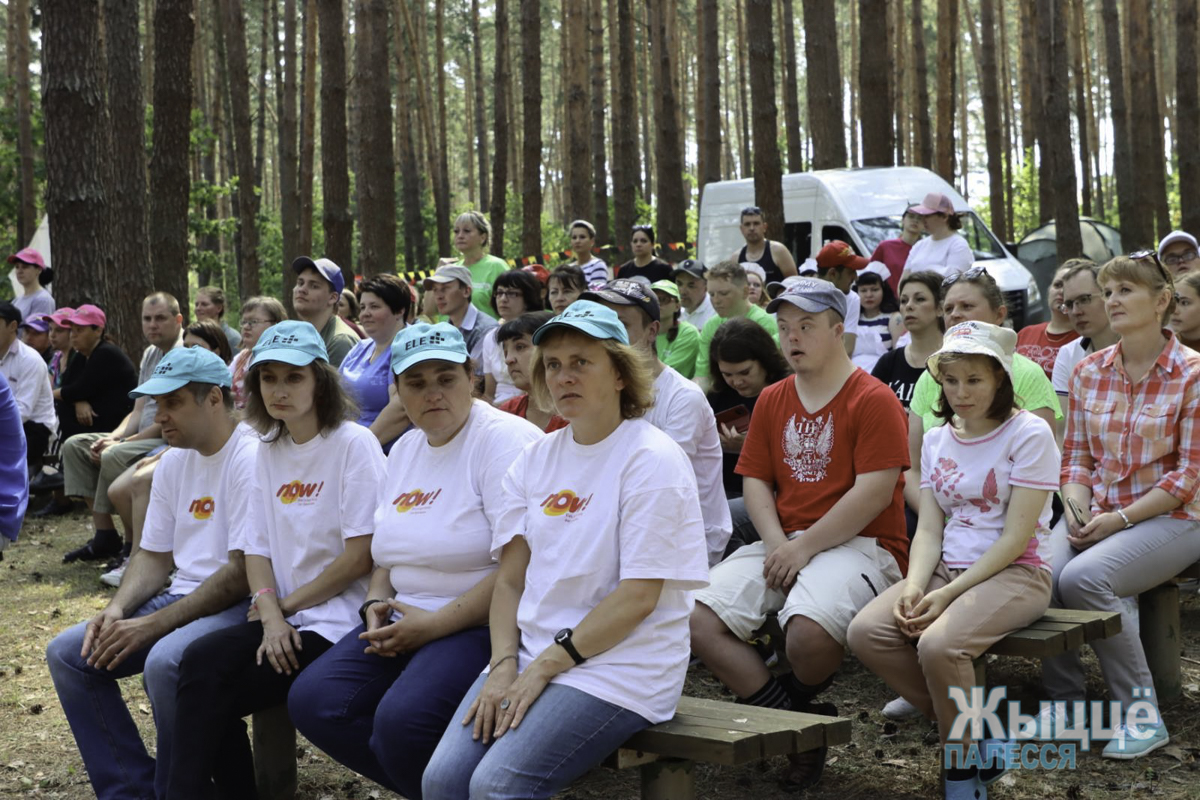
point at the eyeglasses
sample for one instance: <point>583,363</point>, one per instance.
<point>250,323</point>
<point>512,294</point>
<point>1078,302</point>
<point>974,273</point>
<point>1186,257</point>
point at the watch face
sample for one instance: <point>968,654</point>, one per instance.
<point>562,635</point>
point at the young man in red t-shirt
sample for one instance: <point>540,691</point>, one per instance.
<point>821,466</point>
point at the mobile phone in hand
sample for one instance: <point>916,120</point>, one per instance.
<point>1076,512</point>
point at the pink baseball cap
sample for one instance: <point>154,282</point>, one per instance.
<point>61,316</point>
<point>934,203</point>
<point>28,256</point>
<point>88,314</point>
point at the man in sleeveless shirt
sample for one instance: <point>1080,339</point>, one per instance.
<point>773,257</point>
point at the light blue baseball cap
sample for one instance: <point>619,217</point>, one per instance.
<point>585,316</point>
<point>423,342</point>
<point>181,366</point>
<point>290,342</point>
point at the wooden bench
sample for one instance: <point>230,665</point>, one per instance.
<point>1060,630</point>
<point>706,731</point>
<point>1160,631</point>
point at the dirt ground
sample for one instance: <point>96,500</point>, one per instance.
<point>39,597</point>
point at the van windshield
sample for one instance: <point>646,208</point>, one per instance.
<point>983,243</point>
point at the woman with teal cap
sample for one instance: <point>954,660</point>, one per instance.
<point>600,540</point>
<point>308,554</point>
<point>379,701</point>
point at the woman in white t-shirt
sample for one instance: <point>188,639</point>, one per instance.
<point>308,554</point>
<point>943,251</point>
<point>600,543</point>
<point>380,699</point>
<point>514,293</point>
<point>583,242</point>
<point>979,564</point>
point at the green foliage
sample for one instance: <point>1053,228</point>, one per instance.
<point>10,162</point>
<point>1025,197</point>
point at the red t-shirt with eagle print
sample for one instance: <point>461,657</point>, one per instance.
<point>813,459</point>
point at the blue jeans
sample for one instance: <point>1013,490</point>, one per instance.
<point>113,753</point>
<point>383,717</point>
<point>565,733</point>
<point>744,532</point>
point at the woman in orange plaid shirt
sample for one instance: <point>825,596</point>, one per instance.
<point>1130,466</point>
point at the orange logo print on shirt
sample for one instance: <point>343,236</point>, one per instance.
<point>415,499</point>
<point>202,508</point>
<point>296,490</point>
<point>565,502</point>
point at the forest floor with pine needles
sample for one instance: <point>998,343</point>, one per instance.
<point>40,596</point>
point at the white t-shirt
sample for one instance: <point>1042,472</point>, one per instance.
<point>200,506</point>
<point>30,383</point>
<point>853,308</point>
<point>682,412</point>
<point>311,497</point>
<point>1069,356</point>
<point>972,480</point>
<point>438,506</point>
<point>594,515</point>
<point>703,313</point>
<point>493,364</point>
<point>945,257</point>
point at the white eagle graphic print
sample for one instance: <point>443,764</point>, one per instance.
<point>807,445</point>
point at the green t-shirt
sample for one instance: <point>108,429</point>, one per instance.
<point>1032,387</point>
<point>680,355</point>
<point>755,314</point>
<point>483,274</point>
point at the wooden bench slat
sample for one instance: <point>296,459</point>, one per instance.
<point>1074,635</point>
<point>697,743</point>
<point>1097,624</point>
<point>1031,643</point>
<point>833,730</point>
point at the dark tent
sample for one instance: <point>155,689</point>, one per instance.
<point>1039,253</point>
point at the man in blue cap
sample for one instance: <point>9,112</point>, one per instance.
<point>315,298</point>
<point>200,492</point>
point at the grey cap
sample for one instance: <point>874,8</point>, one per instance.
<point>450,272</point>
<point>812,295</point>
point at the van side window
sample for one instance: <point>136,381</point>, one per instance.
<point>831,232</point>
<point>797,238</point>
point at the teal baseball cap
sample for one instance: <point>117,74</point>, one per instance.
<point>423,342</point>
<point>290,342</point>
<point>181,366</point>
<point>585,316</point>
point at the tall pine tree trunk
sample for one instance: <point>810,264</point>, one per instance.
<point>416,249</point>
<point>1055,15</point>
<point>992,125</point>
<point>27,221</point>
<point>1187,114</point>
<point>743,82</point>
<point>376,175</point>
<point>170,183</point>
<point>1076,45</point>
<point>335,178</point>
<point>289,159</point>
<point>531,105</point>
<point>625,144</point>
<point>239,95</point>
<point>824,85</point>
<point>308,135</point>
<point>924,132</point>
<point>710,79</point>
<point>577,155</point>
<point>481,142</point>
<point>768,174</point>
<point>672,201</point>
<point>947,87</point>
<point>873,73</point>
<point>501,133</point>
<point>1146,124</point>
<point>442,198</point>
<point>791,92</point>
<point>260,150</point>
<point>1137,229</point>
<point>599,163</point>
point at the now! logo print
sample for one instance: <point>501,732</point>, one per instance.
<point>202,508</point>
<point>415,499</point>
<point>565,502</point>
<point>297,490</point>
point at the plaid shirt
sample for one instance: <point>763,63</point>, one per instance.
<point>1124,439</point>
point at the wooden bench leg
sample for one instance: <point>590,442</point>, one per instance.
<point>274,754</point>
<point>668,779</point>
<point>1158,615</point>
<point>980,665</point>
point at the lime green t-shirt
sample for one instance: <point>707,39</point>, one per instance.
<point>680,355</point>
<point>755,314</point>
<point>483,274</point>
<point>1032,387</point>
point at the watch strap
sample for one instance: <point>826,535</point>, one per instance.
<point>569,646</point>
<point>362,610</point>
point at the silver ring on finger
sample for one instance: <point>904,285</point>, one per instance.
<point>504,704</point>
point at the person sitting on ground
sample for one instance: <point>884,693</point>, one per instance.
<point>32,276</point>
<point>210,305</point>
<point>308,554</point>
<point>823,490</point>
<point>208,334</point>
<point>258,314</point>
<point>893,253</point>
<point>1040,343</point>
<point>679,408</point>
<point>516,340</point>
<point>1185,320</point>
<point>644,262</point>
<point>678,342</point>
<point>200,501</point>
<point>514,293</point>
<point>876,306</point>
<point>730,296</point>
<point>982,543</point>
<point>1129,464</point>
<point>315,298</point>
<point>589,632</point>
<point>93,461</point>
<point>921,313</point>
<point>774,257</point>
<point>451,287</point>
<point>689,276</point>
<point>35,332</point>
<point>583,244</point>
<point>472,237</point>
<point>380,699</point>
<point>840,265</point>
<point>27,376</point>
<point>564,285</point>
<point>1083,300</point>
<point>1178,252</point>
<point>943,251</point>
<point>365,372</point>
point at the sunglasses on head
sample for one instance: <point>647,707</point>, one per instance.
<point>974,273</point>
<point>1144,254</point>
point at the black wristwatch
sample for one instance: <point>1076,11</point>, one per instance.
<point>563,639</point>
<point>362,610</point>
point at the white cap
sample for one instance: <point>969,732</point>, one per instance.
<point>1177,236</point>
<point>879,268</point>
<point>757,269</point>
<point>976,339</point>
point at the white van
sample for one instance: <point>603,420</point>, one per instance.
<point>861,207</point>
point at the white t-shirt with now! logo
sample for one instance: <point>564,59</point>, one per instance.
<point>438,506</point>
<point>199,506</point>
<point>310,498</point>
<point>594,515</point>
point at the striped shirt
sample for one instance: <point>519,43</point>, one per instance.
<point>1124,439</point>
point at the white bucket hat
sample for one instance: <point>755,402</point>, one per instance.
<point>973,338</point>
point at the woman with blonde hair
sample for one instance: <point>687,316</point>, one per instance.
<point>472,237</point>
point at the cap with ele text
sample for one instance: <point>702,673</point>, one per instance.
<point>423,342</point>
<point>181,366</point>
<point>290,342</point>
